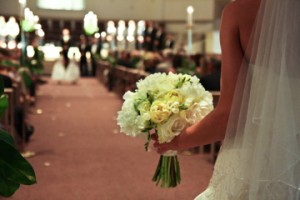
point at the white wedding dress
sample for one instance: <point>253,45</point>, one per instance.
<point>72,73</point>
<point>58,71</point>
<point>260,156</point>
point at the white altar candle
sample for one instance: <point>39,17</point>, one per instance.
<point>190,11</point>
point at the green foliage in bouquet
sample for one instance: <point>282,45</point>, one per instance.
<point>187,67</point>
<point>14,169</point>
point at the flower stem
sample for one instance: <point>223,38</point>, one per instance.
<point>148,141</point>
<point>167,173</point>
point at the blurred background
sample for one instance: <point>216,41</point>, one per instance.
<point>66,65</point>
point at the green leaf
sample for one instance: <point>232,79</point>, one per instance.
<point>7,187</point>
<point>1,86</point>
<point>183,107</point>
<point>146,145</point>
<point>9,63</point>
<point>3,104</point>
<point>6,137</point>
<point>27,79</point>
<point>15,167</point>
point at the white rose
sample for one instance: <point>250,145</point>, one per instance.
<point>196,112</point>
<point>168,130</point>
<point>174,107</point>
<point>159,111</point>
<point>193,114</point>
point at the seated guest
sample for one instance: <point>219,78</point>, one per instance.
<point>151,61</point>
<point>211,81</point>
<point>124,59</point>
<point>202,68</point>
<point>9,60</point>
<point>23,129</point>
<point>177,61</point>
<point>166,64</point>
<point>136,60</point>
<point>169,42</point>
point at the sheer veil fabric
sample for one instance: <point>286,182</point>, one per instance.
<point>260,156</point>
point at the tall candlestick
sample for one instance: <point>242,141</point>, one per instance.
<point>190,11</point>
<point>23,39</point>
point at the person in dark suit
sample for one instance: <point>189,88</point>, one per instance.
<point>211,81</point>
<point>169,42</point>
<point>66,44</point>
<point>160,39</point>
<point>95,52</point>
<point>84,47</point>
<point>149,36</point>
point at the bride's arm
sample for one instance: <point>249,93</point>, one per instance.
<point>213,126</point>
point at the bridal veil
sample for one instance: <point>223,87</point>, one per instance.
<point>260,157</point>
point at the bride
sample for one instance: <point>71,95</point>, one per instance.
<point>259,107</point>
<point>70,74</point>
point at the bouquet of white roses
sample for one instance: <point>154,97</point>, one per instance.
<point>164,104</point>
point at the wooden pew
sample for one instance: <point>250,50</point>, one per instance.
<point>16,98</point>
<point>8,116</point>
<point>124,79</point>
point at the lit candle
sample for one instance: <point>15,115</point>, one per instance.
<point>141,27</point>
<point>121,30</point>
<point>22,2</point>
<point>190,11</point>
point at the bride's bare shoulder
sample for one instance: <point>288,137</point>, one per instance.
<point>240,11</point>
<point>230,14</point>
<point>239,8</point>
<point>232,7</point>
<point>231,10</point>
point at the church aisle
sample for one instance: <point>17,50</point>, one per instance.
<point>81,155</point>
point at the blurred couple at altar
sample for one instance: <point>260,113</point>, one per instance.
<point>65,72</point>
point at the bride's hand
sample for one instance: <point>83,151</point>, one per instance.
<point>162,148</point>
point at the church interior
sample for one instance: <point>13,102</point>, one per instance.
<point>65,66</point>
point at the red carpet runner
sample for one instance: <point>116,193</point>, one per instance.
<point>80,154</point>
